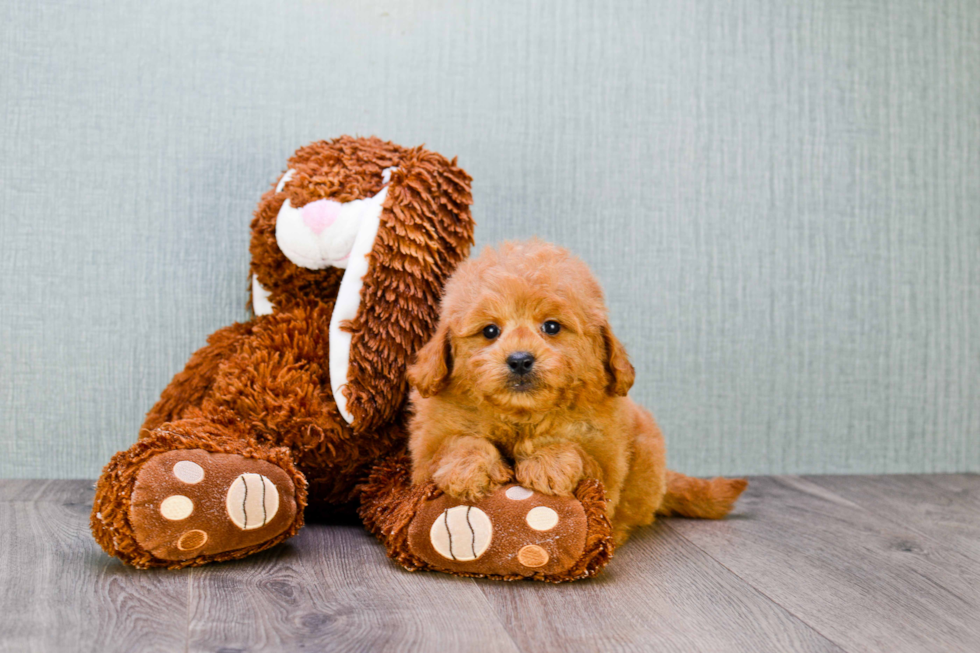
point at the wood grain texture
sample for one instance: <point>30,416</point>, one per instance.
<point>333,588</point>
<point>825,564</point>
<point>944,508</point>
<point>855,574</point>
<point>659,593</point>
<point>60,592</point>
<point>780,199</point>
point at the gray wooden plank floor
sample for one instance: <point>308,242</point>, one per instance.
<point>831,563</point>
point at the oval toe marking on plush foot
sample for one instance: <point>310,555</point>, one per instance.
<point>189,472</point>
<point>192,540</point>
<point>176,507</point>
<point>518,493</point>
<point>533,556</point>
<point>252,501</point>
<point>461,533</point>
<point>542,518</point>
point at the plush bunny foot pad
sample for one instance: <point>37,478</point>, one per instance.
<point>512,533</point>
<point>190,503</point>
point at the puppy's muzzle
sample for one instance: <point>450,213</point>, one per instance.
<point>521,363</point>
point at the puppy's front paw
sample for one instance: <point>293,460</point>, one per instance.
<point>557,474</point>
<point>471,475</point>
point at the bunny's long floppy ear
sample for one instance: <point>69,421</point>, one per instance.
<point>425,232</point>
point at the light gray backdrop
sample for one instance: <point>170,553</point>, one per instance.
<point>781,198</point>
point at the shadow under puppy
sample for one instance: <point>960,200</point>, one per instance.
<point>525,380</point>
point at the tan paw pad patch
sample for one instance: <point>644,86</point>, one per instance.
<point>190,502</point>
<point>518,493</point>
<point>192,540</point>
<point>542,518</point>
<point>462,533</point>
<point>512,532</point>
<point>176,507</point>
<point>252,501</point>
<point>189,472</point>
<point>533,556</point>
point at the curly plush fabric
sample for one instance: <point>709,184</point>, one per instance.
<point>391,509</point>
<point>261,389</point>
<point>111,518</point>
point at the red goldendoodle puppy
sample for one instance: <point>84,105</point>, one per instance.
<point>525,380</point>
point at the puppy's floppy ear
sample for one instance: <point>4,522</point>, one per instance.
<point>618,366</point>
<point>429,374</point>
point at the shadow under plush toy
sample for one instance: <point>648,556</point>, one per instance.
<point>304,405</point>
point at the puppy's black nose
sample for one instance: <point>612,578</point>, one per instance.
<point>520,362</point>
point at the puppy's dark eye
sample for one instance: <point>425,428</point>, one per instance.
<point>491,331</point>
<point>551,327</point>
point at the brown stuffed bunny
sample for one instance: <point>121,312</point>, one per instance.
<point>350,251</point>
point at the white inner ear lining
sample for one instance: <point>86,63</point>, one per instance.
<point>349,300</point>
<point>260,298</point>
<point>349,294</point>
<point>285,179</point>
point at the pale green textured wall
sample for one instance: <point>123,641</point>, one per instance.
<point>782,199</point>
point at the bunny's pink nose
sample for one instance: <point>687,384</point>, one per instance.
<point>320,214</point>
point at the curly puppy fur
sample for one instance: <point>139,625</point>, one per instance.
<point>481,421</point>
